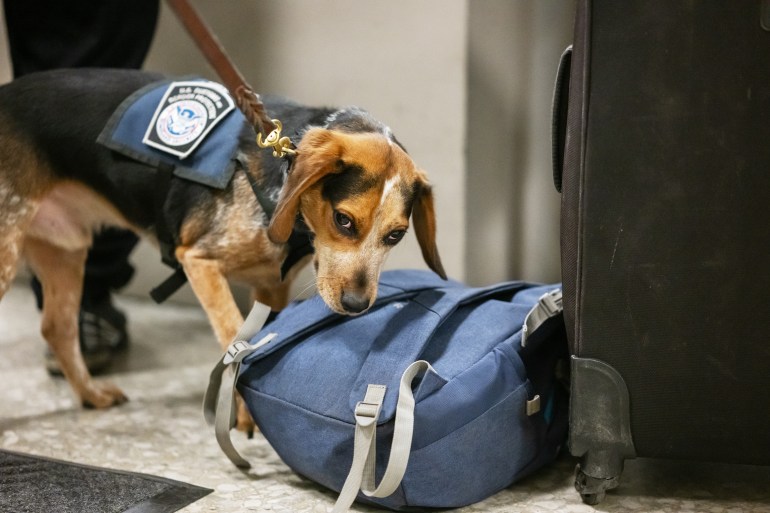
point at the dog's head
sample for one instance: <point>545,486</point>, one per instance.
<point>356,188</point>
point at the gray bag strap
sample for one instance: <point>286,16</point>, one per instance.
<point>361,475</point>
<point>219,401</point>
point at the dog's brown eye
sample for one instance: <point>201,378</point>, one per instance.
<point>344,223</point>
<point>394,237</point>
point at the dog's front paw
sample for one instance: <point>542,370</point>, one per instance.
<point>243,421</point>
<point>102,395</point>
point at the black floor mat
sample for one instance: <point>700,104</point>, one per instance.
<point>33,484</point>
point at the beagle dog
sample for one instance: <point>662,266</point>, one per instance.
<point>350,189</point>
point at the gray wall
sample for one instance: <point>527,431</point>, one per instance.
<point>465,85</point>
<point>512,227</point>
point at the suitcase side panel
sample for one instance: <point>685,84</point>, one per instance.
<point>669,235</point>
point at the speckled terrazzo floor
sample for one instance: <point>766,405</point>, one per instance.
<point>161,431</point>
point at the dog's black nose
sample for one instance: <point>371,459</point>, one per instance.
<point>354,303</point>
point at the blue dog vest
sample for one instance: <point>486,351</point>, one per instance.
<point>196,116</point>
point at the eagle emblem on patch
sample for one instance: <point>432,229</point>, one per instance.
<point>185,115</point>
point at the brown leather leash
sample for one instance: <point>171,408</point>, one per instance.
<point>247,100</point>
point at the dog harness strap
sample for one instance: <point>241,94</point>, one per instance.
<point>268,205</point>
<point>170,285</point>
<point>300,245</point>
<point>162,185</point>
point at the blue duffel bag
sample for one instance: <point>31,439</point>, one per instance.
<point>439,396</point>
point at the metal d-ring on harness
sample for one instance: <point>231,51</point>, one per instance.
<point>254,110</point>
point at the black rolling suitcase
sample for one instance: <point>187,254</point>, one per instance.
<point>662,153</point>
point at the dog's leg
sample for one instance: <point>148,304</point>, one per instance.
<point>61,272</point>
<point>276,297</point>
<point>216,298</point>
<point>213,293</point>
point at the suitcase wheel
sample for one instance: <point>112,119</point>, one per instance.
<point>592,490</point>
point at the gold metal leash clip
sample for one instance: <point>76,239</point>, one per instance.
<point>281,145</point>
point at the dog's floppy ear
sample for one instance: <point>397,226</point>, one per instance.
<point>317,156</point>
<point>424,220</point>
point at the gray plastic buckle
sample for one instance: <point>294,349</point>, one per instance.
<point>240,349</point>
<point>551,302</point>
<point>548,305</point>
<point>236,352</point>
<point>368,410</point>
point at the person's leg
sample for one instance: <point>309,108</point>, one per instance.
<point>107,266</point>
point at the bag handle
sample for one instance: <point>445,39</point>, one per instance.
<point>219,400</point>
<point>362,470</point>
<point>559,115</point>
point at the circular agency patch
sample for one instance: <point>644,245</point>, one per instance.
<point>181,123</point>
<point>185,115</point>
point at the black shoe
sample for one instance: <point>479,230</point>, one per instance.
<point>103,333</point>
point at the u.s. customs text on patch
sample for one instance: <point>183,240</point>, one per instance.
<point>187,112</point>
